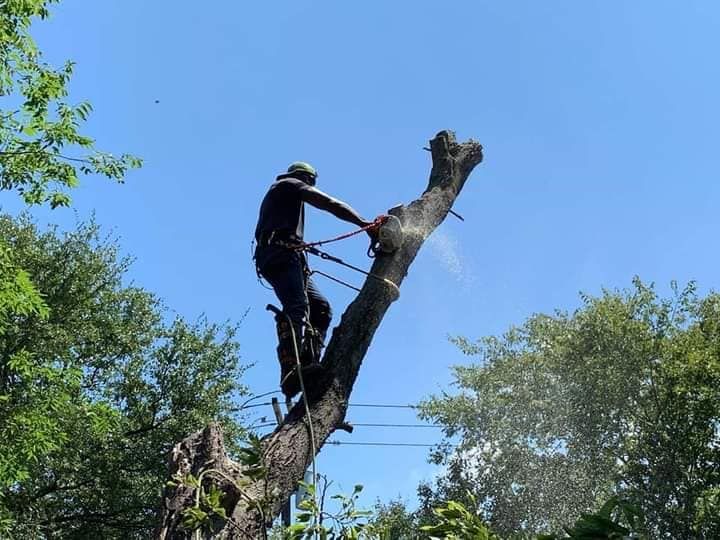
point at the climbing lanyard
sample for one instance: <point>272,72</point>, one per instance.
<point>326,256</point>
<point>336,280</point>
<point>312,248</point>
<point>376,224</point>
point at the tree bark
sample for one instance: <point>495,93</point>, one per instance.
<point>287,452</point>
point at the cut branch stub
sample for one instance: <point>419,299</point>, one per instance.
<point>287,451</point>
<point>199,453</point>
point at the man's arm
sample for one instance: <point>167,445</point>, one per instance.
<point>337,208</point>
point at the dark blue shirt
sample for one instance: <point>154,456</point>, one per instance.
<point>283,209</point>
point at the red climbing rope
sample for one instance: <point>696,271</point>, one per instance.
<point>376,224</point>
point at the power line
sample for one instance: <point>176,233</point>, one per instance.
<point>399,425</point>
<point>342,443</point>
<point>375,405</point>
<point>383,406</point>
<point>360,424</point>
<point>246,403</point>
<point>348,443</point>
<point>253,405</point>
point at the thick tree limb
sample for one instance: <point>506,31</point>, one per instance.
<point>287,451</point>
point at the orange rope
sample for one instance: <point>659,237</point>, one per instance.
<point>376,224</point>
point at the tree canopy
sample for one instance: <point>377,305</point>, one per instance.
<point>97,379</point>
<point>97,382</point>
<point>42,151</point>
<point>621,396</point>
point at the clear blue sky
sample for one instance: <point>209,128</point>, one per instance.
<point>600,122</point>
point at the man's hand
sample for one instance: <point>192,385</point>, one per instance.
<point>373,231</point>
<point>370,228</point>
<point>374,226</point>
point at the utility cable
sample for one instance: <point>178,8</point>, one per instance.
<point>245,404</point>
<point>382,406</point>
<point>354,424</point>
<point>423,445</point>
<point>375,405</point>
<point>399,425</point>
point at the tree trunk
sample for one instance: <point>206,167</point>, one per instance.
<point>287,452</point>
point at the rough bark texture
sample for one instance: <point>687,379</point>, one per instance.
<point>288,450</point>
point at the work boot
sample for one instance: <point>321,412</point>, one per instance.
<point>289,379</point>
<point>289,382</point>
<point>286,350</point>
<point>313,343</point>
<point>310,356</point>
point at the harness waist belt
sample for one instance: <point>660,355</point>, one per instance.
<point>269,238</point>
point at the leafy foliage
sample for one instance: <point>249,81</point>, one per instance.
<point>96,387</point>
<point>455,522</point>
<point>18,296</point>
<point>620,397</point>
<point>40,124</point>
<point>393,521</point>
<point>19,300</point>
<point>315,521</point>
<point>616,520</point>
<point>199,518</point>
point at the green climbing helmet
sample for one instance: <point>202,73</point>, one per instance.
<point>299,166</point>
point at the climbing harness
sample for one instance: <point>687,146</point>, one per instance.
<point>388,239</point>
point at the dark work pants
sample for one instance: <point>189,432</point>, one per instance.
<point>284,270</point>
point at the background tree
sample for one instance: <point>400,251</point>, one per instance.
<point>393,521</point>
<point>621,396</point>
<point>616,519</point>
<point>96,384</point>
<point>42,152</point>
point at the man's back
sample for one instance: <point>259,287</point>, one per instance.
<point>282,209</point>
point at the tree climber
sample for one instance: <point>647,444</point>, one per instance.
<point>279,229</point>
